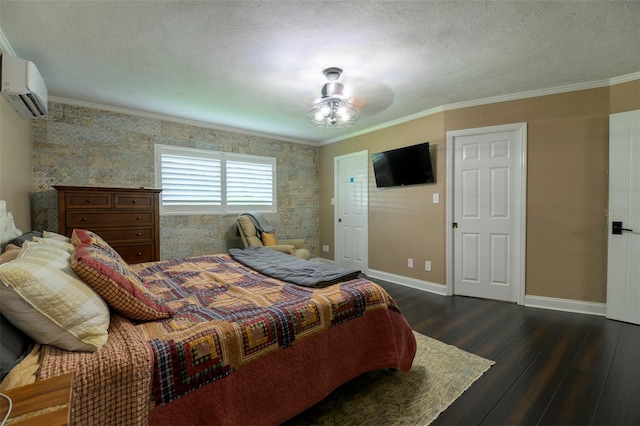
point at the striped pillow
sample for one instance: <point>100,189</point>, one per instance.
<point>118,285</point>
<point>52,306</point>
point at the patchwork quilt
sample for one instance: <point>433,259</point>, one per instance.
<point>239,345</point>
<point>227,316</point>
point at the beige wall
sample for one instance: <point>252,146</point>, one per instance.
<point>16,171</point>
<point>566,190</point>
<point>400,219</point>
<point>567,151</point>
<point>625,97</point>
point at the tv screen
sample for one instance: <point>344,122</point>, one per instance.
<point>410,165</point>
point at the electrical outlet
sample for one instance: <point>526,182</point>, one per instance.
<point>427,265</point>
<point>410,263</point>
<point>325,248</point>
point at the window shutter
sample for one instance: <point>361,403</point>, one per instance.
<point>196,181</point>
<point>249,183</point>
<point>191,181</point>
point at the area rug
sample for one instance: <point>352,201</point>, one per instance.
<point>440,374</point>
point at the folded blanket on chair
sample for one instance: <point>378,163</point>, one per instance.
<point>292,269</point>
<point>259,222</point>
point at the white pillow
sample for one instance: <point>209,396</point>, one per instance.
<point>53,235</point>
<point>8,230</point>
<point>55,256</point>
<point>52,306</point>
<point>66,246</point>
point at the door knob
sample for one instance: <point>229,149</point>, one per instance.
<point>616,228</point>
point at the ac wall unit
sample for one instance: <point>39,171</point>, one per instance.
<point>23,87</point>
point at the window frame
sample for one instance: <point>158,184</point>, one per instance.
<point>223,157</point>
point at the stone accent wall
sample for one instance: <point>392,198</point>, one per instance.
<point>88,147</point>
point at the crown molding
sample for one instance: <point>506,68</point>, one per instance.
<point>449,107</point>
<point>173,119</point>
<point>495,99</point>
<point>528,94</point>
<point>624,78</point>
<point>384,125</point>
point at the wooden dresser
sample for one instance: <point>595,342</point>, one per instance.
<point>128,219</point>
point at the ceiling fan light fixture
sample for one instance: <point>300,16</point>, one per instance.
<point>333,89</point>
<point>332,73</point>
<point>332,110</point>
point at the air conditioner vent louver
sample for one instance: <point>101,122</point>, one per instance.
<point>30,102</point>
<point>23,87</point>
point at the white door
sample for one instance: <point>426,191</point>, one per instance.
<point>623,265</point>
<point>487,217</point>
<point>351,190</point>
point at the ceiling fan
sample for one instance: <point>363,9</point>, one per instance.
<point>332,110</point>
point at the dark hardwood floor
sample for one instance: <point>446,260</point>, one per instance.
<point>552,368</point>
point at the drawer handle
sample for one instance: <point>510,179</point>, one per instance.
<point>138,234</point>
<point>84,219</point>
<point>139,254</point>
<point>138,218</point>
<point>89,201</point>
<point>134,201</point>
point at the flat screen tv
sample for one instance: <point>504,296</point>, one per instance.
<point>409,165</point>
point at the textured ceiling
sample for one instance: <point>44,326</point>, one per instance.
<point>257,65</point>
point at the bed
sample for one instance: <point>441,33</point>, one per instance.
<point>205,340</point>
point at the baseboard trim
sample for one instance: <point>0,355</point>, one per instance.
<point>408,282</point>
<point>566,305</point>
<point>541,302</point>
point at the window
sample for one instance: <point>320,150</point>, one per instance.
<point>197,181</point>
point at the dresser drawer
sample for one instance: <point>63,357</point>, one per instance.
<point>127,218</point>
<point>88,200</point>
<point>89,220</point>
<point>135,253</point>
<point>126,234</point>
<point>133,201</point>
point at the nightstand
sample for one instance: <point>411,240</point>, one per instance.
<point>47,402</point>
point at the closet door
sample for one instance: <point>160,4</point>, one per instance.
<point>623,267</point>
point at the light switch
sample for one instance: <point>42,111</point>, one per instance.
<point>436,198</point>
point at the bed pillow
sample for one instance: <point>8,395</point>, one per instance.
<point>51,306</point>
<point>28,236</point>
<point>55,256</point>
<point>83,236</point>
<point>118,285</point>
<point>14,346</point>
<point>7,225</point>
<point>55,236</point>
<point>68,247</point>
<point>10,252</point>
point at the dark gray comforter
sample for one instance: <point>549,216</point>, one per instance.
<point>289,268</point>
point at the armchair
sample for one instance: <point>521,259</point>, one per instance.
<point>251,228</point>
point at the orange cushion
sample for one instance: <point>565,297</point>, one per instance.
<point>269,239</point>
